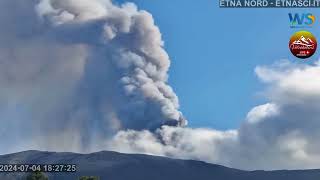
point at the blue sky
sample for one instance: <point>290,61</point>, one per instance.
<point>74,79</point>
<point>212,71</point>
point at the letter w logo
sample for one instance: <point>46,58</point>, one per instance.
<point>296,19</point>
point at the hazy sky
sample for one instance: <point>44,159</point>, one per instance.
<point>214,52</point>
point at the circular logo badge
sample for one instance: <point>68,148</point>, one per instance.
<point>303,44</point>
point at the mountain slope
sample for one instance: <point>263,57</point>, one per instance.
<point>117,166</point>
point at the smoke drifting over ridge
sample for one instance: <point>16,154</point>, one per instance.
<point>281,134</point>
<point>87,75</point>
<point>80,70</point>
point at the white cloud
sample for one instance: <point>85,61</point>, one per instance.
<point>262,112</point>
<point>282,134</point>
<point>86,75</point>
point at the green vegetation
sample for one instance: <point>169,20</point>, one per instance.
<point>37,176</point>
<point>89,178</point>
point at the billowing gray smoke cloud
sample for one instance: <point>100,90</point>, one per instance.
<point>76,71</point>
<point>281,134</point>
<point>87,75</point>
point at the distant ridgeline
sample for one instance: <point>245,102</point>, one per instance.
<point>269,3</point>
<point>108,165</point>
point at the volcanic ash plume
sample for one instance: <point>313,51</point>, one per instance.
<point>87,75</point>
<point>75,71</point>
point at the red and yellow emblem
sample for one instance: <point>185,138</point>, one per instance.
<point>303,44</point>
